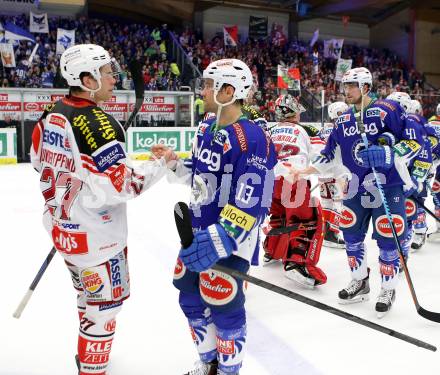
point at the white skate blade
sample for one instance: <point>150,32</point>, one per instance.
<point>357,299</point>
<point>333,245</point>
<point>381,314</point>
<point>305,282</point>
<point>270,262</point>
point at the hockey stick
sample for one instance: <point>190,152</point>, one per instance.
<point>430,315</point>
<point>420,203</point>
<point>34,284</point>
<point>184,227</point>
<point>138,81</point>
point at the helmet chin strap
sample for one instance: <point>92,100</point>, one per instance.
<point>221,105</point>
<point>92,92</point>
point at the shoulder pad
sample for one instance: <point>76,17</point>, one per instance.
<point>94,128</point>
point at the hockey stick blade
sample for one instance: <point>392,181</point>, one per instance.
<point>184,227</point>
<point>291,228</point>
<point>138,81</point>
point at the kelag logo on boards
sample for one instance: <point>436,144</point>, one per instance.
<point>143,140</point>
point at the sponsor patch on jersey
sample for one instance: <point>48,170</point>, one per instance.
<point>410,207</point>
<point>179,270</point>
<point>376,112</point>
<point>241,137</point>
<point>107,156</point>
<point>91,281</point>
<point>405,147</point>
<point>383,226</point>
<point>108,306</point>
<point>386,104</point>
<point>110,325</point>
<point>217,288</point>
<point>70,243</point>
<point>436,186</point>
<point>117,177</point>
<point>237,217</point>
<point>343,118</point>
<point>348,218</point>
<point>57,121</point>
<point>352,262</point>
<point>115,276</point>
<point>202,128</point>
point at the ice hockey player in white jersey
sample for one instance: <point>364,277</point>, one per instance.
<point>86,178</point>
<point>292,204</point>
<point>332,189</point>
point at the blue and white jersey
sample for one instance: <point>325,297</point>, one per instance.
<point>232,180</point>
<point>345,142</point>
<point>433,134</point>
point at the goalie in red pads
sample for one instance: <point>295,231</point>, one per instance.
<point>292,205</point>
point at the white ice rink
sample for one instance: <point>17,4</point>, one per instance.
<point>152,337</point>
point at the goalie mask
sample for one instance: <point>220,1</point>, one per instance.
<point>287,106</point>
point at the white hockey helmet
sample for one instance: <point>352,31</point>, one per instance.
<point>415,107</point>
<point>232,72</point>
<point>287,106</point>
<point>336,109</point>
<point>83,58</point>
<point>402,98</point>
<point>359,75</point>
<point>437,111</point>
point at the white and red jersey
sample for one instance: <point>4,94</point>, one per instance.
<point>86,178</point>
<point>295,144</point>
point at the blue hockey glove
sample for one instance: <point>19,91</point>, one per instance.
<point>208,247</point>
<point>415,189</point>
<point>377,156</point>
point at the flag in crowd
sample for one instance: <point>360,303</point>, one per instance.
<point>314,38</point>
<point>38,23</point>
<point>342,66</point>
<point>7,55</point>
<point>230,35</point>
<point>333,48</point>
<point>14,32</point>
<point>257,27</point>
<point>288,79</point>
<point>65,39</point>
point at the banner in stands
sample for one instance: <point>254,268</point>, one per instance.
<point>140,140</point>
<point>10,106</point>
<point>257,27</point>
<point>8,146</point>
<point>22,5</point>
<point>117,106</point>
<point>159,107</point>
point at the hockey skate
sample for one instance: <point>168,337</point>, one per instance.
<point>434,236</point>
<point>418,241</point>
<point>78,363</point>
<point>356,291</point>
<point>332,239</point>
<point>267,259</point>
<point>203,368</point>
<point>299,274</point>
<point>385,301</point>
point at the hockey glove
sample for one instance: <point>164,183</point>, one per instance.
<point>208,247</point>
<point>415,189</point>
<point>377,156</point>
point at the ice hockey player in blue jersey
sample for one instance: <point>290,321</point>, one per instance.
<point>383,119</point>
<point>231,177</point>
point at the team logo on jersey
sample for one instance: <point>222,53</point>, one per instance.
<point>358,145</point>
<point>220,137</point>
<point>91,281</point>
<point>436,186</point>
<point>217,288</point>
<point>179,270</point>
<point>410,207</point>
<point>383,226</point>
<point>348,218</point>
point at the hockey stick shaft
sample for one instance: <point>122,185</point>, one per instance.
<point>136,75</point>
<point>430,315</point>
<point>184,227</point>
<point>34,284</point>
